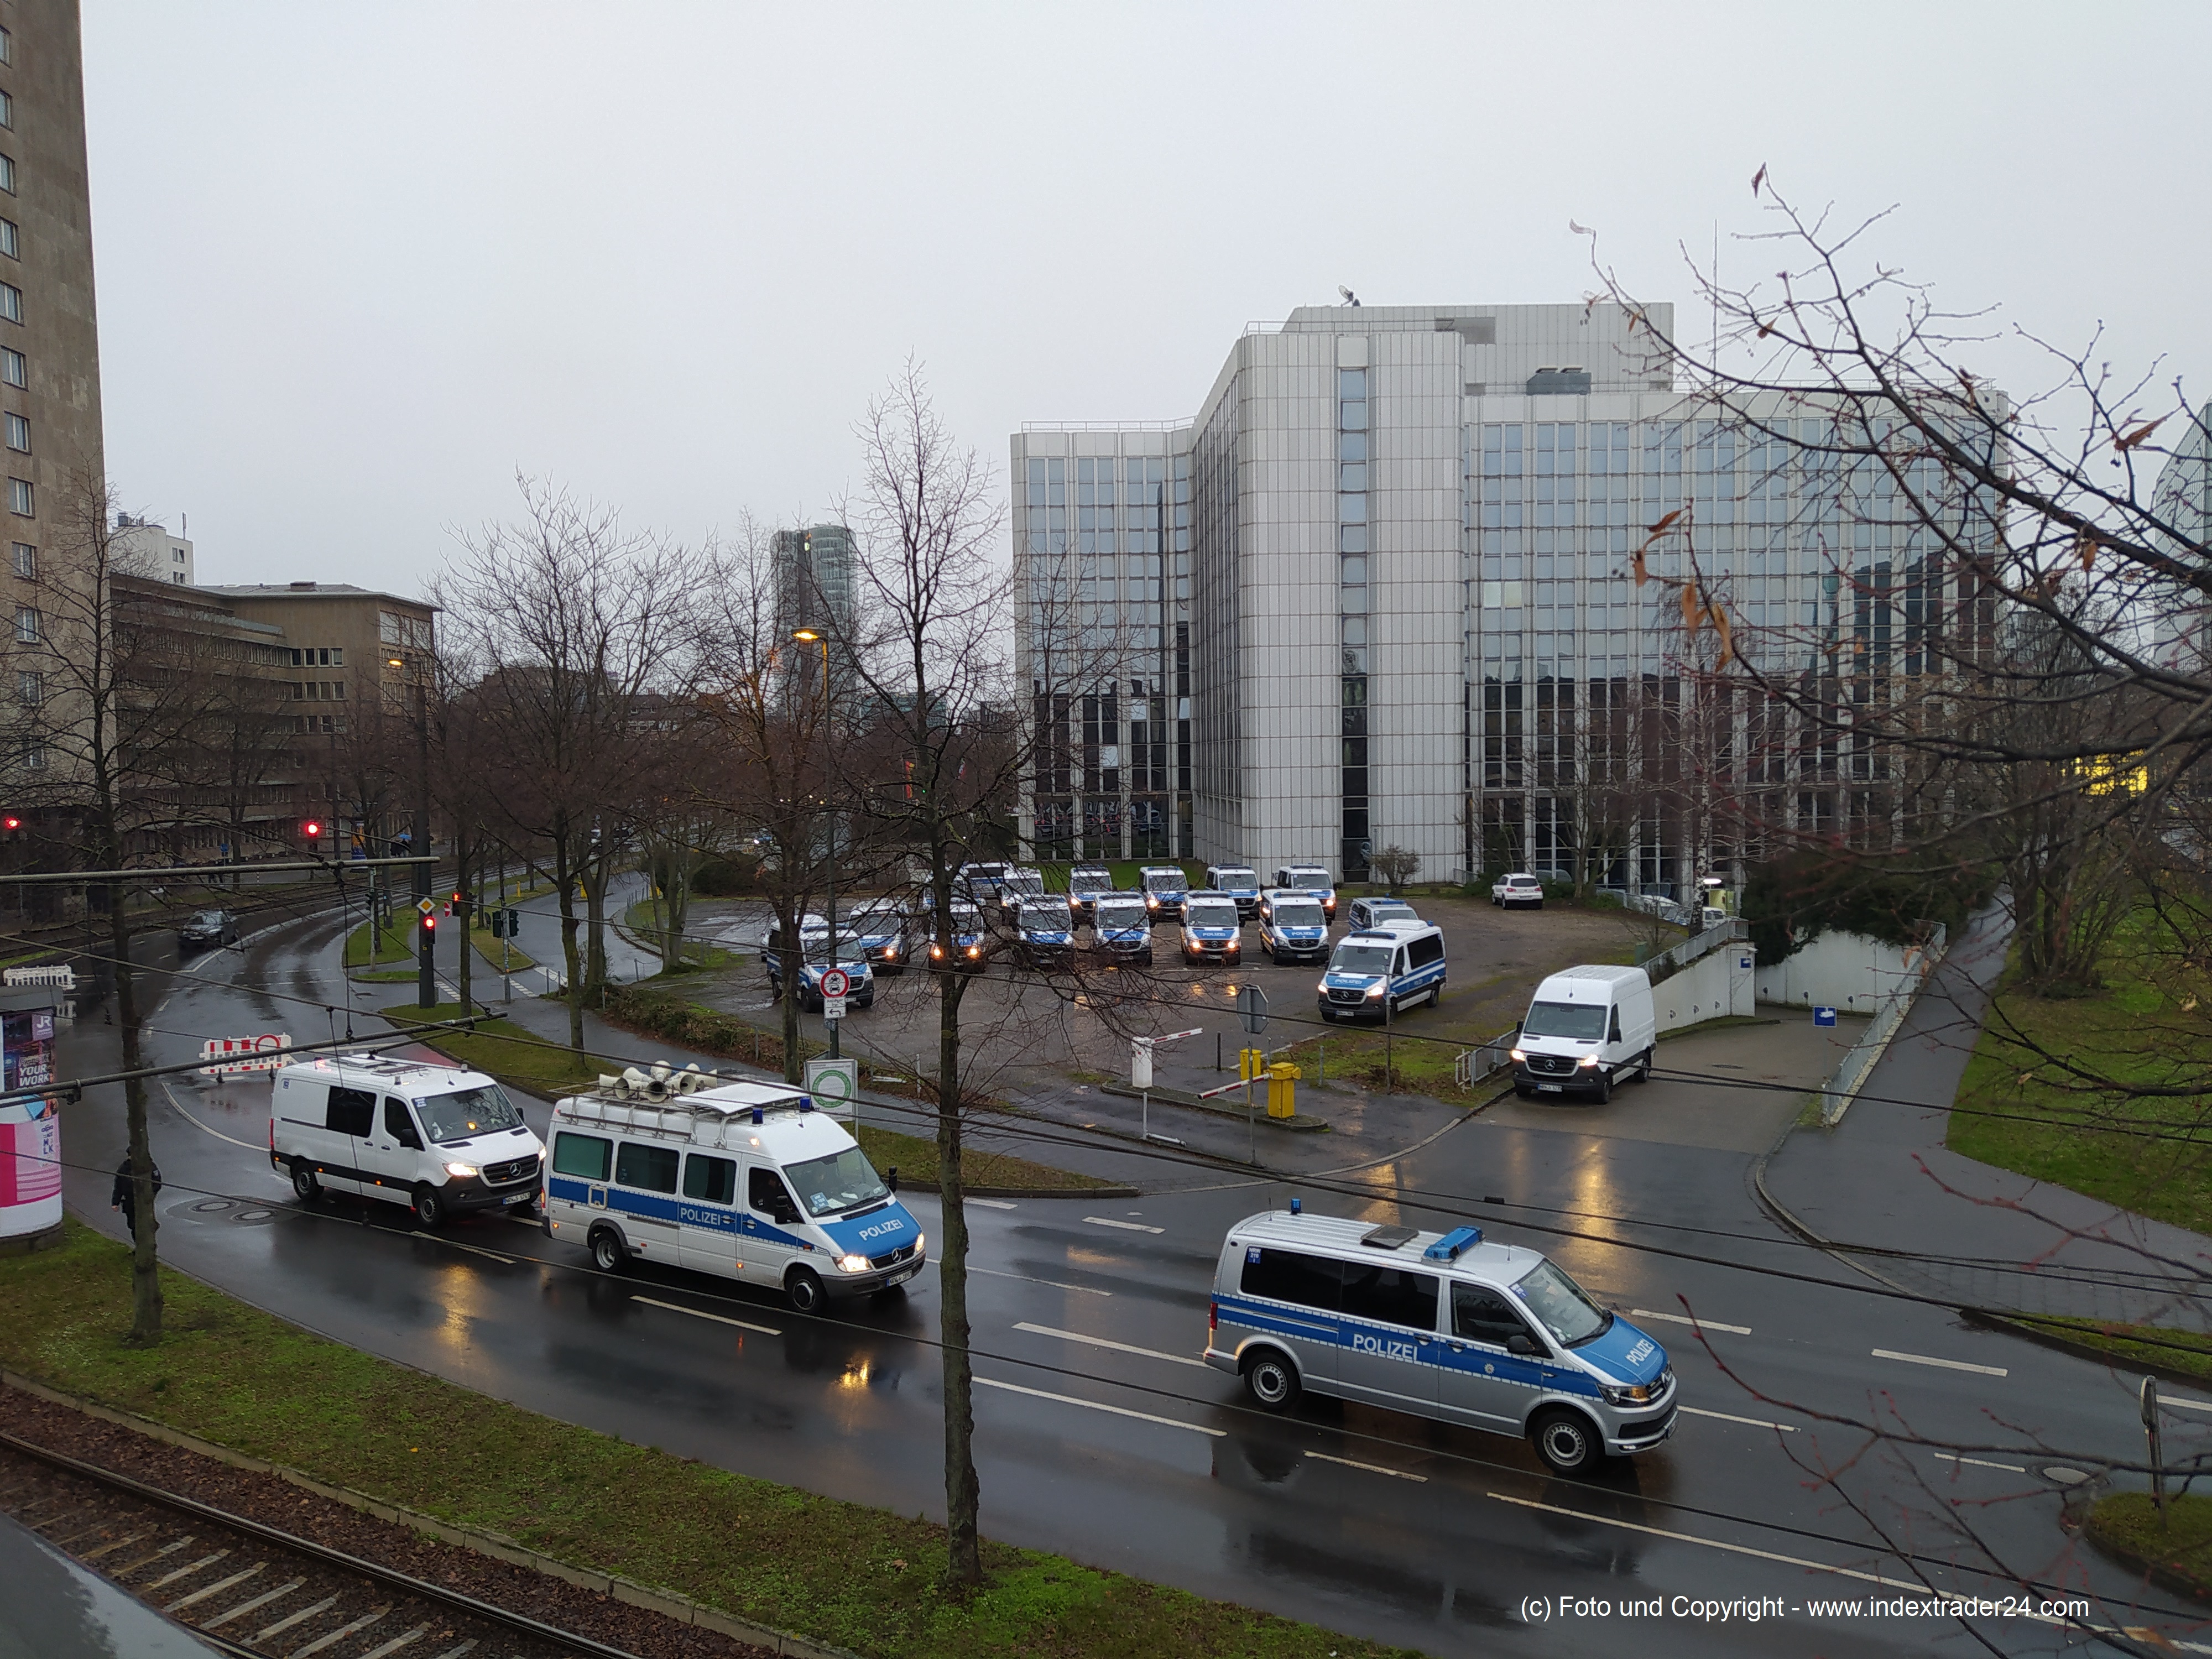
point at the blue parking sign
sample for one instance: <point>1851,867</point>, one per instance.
<point>1824,1017</point>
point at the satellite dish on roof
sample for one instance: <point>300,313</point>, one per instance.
<point>1350,298</point>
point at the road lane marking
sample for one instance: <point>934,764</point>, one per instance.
<point>1716,1543</point>
<point>999,1272</point>
<point>2186,1404</point>
<point>476,1249</point>
<point>989,1203</point>
<point>250,1147</point>
<point>1107,1342</point>
<point>1685,1319</point>
<point>1126,1226</point>
<point>1371,1469</point>
<point>1979,1463</point>
<point>1729,1417</point>
<point>1946,1364</point>
<point>697,1313</point>
<point>1093,1404</point>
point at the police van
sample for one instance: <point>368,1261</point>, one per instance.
<point>1212,929</point>
<point>745,1180</point>
<point>1240,881</point>
<point>1292,925</point>
<point>1442,1325</point>
<point>1383,971</point>
<point>440,1140</point>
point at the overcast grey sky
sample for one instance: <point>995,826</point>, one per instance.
<point>357,264</point>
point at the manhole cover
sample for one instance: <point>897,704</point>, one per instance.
<point>213,1203</point>
<point>2059,1475</point>
<point>250,1215</point>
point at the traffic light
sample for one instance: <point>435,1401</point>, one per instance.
<point>11,823</point>
<point>430,923</point>
<point>311,829</point>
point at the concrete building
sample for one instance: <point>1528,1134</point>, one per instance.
<point>148,549</point>
<point>1378,592</point>
<point>814,578</point>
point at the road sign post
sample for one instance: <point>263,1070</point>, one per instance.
<point>1252,1009</point>
<point>833,1008</point>
<point>835,1082</point>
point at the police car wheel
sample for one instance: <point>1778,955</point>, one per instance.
<point>805,1290</point>
<point>1566,1442</point>
<point>609,1254</point>
<point>304,1184</point>
<point>1272,1382</point>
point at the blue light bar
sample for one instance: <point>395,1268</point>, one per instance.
<point>1448,1248</point>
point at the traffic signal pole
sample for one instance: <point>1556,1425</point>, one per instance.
<point>426,987</point>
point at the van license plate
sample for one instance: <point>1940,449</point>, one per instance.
<point>1551,1088</point>
<point>518,1198</point>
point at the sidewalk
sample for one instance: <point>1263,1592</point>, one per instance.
<point>1881,1175</point>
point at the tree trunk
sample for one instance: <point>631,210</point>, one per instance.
<point>467,917</point>
<point>963,1566</point>
<point>595,911</point>
<point>145,1272</point>
<point>564,882</point>
<point>790,967</point>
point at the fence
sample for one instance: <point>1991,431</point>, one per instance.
<point>1472,1065</point>
<point>61,977</point>
<point>1668,962</point>
<point>1837,1093</point>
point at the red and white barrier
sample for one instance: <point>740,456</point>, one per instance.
<point>268,1052</point>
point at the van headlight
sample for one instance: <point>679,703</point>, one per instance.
<point>1374,990</point>
<point>1518,1055</point>
<point>853,1264</point>
<point>1588,1060</point>
<point>1632,1393</point>
<point>464,1170</point>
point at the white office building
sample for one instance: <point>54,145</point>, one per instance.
<point>1378,592</point>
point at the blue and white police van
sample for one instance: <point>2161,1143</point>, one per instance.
<point>1382,971</point>
<point>1212,929</point>
<point>1292,925</point>
<point>1122,928</point>
<point>968,947</point>
<point>1314,878</point>
<point>851,956</point>
<point>746,1179</point>
<point>1240,882</point>
<point>1085,882</point>
<point>1441,1325</point>
<point>1164,887</point>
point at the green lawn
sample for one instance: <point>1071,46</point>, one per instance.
<point>505,1052</point>
<point>2186,1353</point>
<point>395,942</point>
<point>837,1572</point>
<point>916,1158</point>
<point>488,949</point>
<point>2180,1546</point>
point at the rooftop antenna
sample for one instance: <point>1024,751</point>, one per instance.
<point>1350,298</point>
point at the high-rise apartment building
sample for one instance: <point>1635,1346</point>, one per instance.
<point>814,577</point>
<point>1379,591</point>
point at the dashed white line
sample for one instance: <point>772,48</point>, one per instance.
<point>2184,1403</point>
<point>991,1203</point>
<point>1107,1342</point>
<point>1981,1463</point>
<point>1730,1417</point>
<point>1371,1469</point>
<point>476,1249</point>
<point>1126,1226</point>
<point>1685,1319</point>
<point>1946,1364</point>
<point>1093,1404</point>
<point>699,1313</point>
<point>999,1272</point>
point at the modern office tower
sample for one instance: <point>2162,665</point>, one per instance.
<point>2172,623</point>
<point>814,578</point>
<point>1380,590</point>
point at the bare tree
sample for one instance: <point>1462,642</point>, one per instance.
<point>1396,865</point>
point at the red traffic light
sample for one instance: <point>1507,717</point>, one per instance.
<point>11,822</point>
<point>311,829</point>
<point>430,924</point>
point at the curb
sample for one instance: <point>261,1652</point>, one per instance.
<point>667,1603</point>
<point>1048,1192</point>
<point>1301,1123</point>
<point>2159,1572</point>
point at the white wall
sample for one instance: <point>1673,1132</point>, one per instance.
<point>1717,984</point>
<point>1848,972</point>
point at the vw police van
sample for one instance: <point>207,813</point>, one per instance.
<point>746,1179</point>
<point>1292,925</point>
<point>1383,971</point>
<point>439,1139</point>
<point>1442,1325</point>
<point>1212,929</point>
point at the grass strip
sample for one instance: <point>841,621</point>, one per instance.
<point>2153,1347</point>
<point>513,1056</point>
<point>916,1158</point>
<point>2176,1552</point>
<point>842,1573</point>
<point>395,942</point>
<point>489,948</point>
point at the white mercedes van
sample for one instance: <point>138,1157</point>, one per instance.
<point>1586,1030</point>
<point>439,1139</point>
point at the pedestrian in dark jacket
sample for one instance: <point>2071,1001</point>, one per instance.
<point>126,1196</point>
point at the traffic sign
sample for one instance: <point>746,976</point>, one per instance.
<point>426,905</point>
<point>833,1007</point>
<point>833,1083</point>
<point>836,982</point>
<point>1252,1008</point>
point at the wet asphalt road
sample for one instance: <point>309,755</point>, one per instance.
<point>1100,1436</point>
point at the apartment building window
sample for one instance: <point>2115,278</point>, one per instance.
<point>34,756</point>
<point>27,625</point>
<point>11,302</point>
<point>298,692</point>
<point>26,562</point>
<point>8,173</point>
<point>18,434</point>
<point>22,499</point>
<point>30,687</point>
<point>14,368</point>
<point>6,110</point>
<point>7,47</point>
<point>11,242</point>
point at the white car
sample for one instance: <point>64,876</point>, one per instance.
<point>1520,889</point>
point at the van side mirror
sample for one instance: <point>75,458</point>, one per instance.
<point>890,1178</point>
<point>1521,1343</point>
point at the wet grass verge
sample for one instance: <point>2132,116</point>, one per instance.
<point>513,1055</point>
<point>842,1573</point>
<point>915,1157</point>
<point>2159,1348</point>
<point>2175,1551</point>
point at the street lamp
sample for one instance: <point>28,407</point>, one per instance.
<point>814,636</point>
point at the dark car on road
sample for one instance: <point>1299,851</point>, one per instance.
<point>209,930</point>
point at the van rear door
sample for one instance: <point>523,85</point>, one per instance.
<point>350,1116</point>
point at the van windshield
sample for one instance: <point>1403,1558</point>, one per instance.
<point>1236,878</point>
<point>1126,914</point>
<point>1166,881</point>
<point>1567,1313</point>
<point>1022,881</point>
<point>1361,959</point>
<point>1086,881</point>
<point>1304,913</point>
<point>1584,1020</point>
<point>465,1112</point>
<point>1213,913</point>
<point>841,1181</point>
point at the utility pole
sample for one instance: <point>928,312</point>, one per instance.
<point>426,989</point>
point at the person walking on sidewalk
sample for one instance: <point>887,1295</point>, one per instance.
<point>126,1196</point>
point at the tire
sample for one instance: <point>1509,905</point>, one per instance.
<point>1604,1091</point>
<point>609,1254</point>
<point>429,1209</point>
<point>1566,1442</point>
<point>1271,1380</point>
<point>305,1186</point>
<point>806,1292</point>
<point>1644,1072</point>
<point>1437,994</point>
<point>1524,1091</point>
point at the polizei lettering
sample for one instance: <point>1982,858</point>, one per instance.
<point>883,1227</point>
<point>1385,1347</point>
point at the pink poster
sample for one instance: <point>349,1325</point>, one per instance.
<point>30,1160</point>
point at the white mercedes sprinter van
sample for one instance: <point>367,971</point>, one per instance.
<point>1586,1030</point>
<point>440,1140</point>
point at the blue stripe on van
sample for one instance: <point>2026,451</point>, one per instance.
<point>678,1212</point>
<point>1313,1325</point>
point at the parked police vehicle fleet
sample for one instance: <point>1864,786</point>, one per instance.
<point>1383,971</point>
<point>1441,1325</point>
<point>745,1180</point>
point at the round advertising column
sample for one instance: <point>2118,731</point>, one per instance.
<point>30,1175</point>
